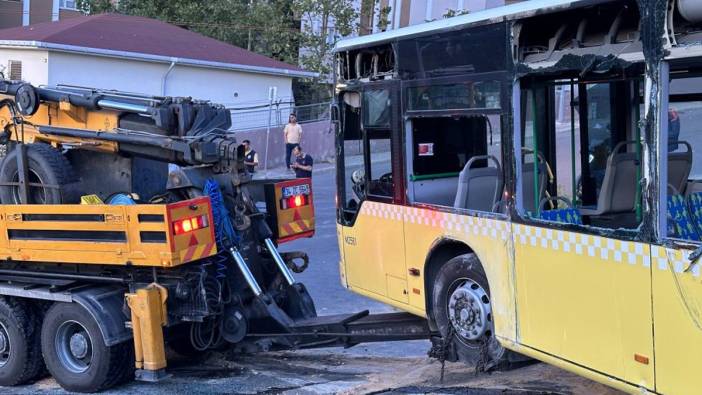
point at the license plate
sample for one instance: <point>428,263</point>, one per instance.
<point>296,190</point>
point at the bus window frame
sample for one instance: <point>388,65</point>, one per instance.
<point>347,216</point>
<point>409,155</point>
<point>519,215</point>
<point>501,76</point>
<point>393,86</point>
<point>497,76</point>
<point>662,188</point>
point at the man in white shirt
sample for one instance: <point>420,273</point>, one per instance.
<point>292,134</point>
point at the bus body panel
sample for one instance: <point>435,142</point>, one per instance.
<point>488,238</point>
<point>677,291</point>
<point>375,246</point>
<point>586,299</point>
<point>578,369</point>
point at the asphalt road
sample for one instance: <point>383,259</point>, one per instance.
<point>400,367</point>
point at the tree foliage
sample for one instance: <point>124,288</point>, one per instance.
<point>324,23</point>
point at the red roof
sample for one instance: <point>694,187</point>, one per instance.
<point>116,32</point>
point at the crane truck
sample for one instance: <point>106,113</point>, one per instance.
<point>107,257</point>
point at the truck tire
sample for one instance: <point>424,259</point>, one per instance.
<point>461,305</point>
<point>75,352</point>
<point>20,352</point>
<point>45,165</point>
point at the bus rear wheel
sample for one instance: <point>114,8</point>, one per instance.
<point>462,311</point>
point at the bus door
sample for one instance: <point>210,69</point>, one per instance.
<point>677,270</point>
<point>583,281</point>
<point>373,231</point>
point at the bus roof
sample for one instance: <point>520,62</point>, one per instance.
<point>492,15</point>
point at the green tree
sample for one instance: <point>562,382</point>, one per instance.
<point>333,19</point>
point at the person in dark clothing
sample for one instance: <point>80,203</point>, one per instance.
<point>250,157</point>
<point>302,163</point>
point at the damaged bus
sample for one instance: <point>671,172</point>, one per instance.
<point>529,179</point>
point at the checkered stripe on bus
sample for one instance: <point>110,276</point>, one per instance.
<point>678,260</point>
<point>436,219</point>
<point>619,251</point>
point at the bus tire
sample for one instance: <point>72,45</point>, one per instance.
<point>20,351</point>
<point>461,305</point>
<point>75,352</point>
<point>45,165</point>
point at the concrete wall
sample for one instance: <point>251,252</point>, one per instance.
<point>231,88</point>
<point>34,64</point>
<point>317,140</point>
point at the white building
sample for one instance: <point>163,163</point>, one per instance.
<point>128,53</point>
<point>411,12</point>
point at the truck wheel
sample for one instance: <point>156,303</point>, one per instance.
<point>20,353</point>
<point>75,352</point>
<point>461,305</point>
<point>45,165</point>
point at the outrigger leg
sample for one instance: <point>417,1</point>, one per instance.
<point>148,307</point>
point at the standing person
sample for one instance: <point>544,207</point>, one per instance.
<point>302,164</point>
<point>292,134</point>
<point>250,157</point>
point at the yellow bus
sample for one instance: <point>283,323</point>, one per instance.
<point>525,178</point>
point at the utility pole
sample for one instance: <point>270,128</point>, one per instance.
<point>272,93</point>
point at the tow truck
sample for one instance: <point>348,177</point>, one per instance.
<point>107,257</point>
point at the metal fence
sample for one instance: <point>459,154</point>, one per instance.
<point>277,114</point>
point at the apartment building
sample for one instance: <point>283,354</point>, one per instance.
<point>381,15</point>
<point>15,13</point>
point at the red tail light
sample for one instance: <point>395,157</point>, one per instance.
<point>190,224</point>
<point>294,201</point>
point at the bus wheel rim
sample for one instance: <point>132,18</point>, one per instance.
<point>469,311</point>
<point>74,347</point>
<point>4,345</point>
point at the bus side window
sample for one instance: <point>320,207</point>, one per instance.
<point>379,165</point>
<point>352,168</point>
<point>581,156</point>
<point>377,118</point>
<point>684,200</point>
<point>456,162</point>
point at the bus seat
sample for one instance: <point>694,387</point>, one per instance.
<point>679,167</point>
<point>440,191</point>
<point>694,205</point>
<point>479,188</point>
<point>618,192</point>
<point>528,186</point>
<point>680,225</point>
<point>564,215</point>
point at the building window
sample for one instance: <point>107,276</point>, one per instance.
<point>68,4</point>
<point>14,70</point>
